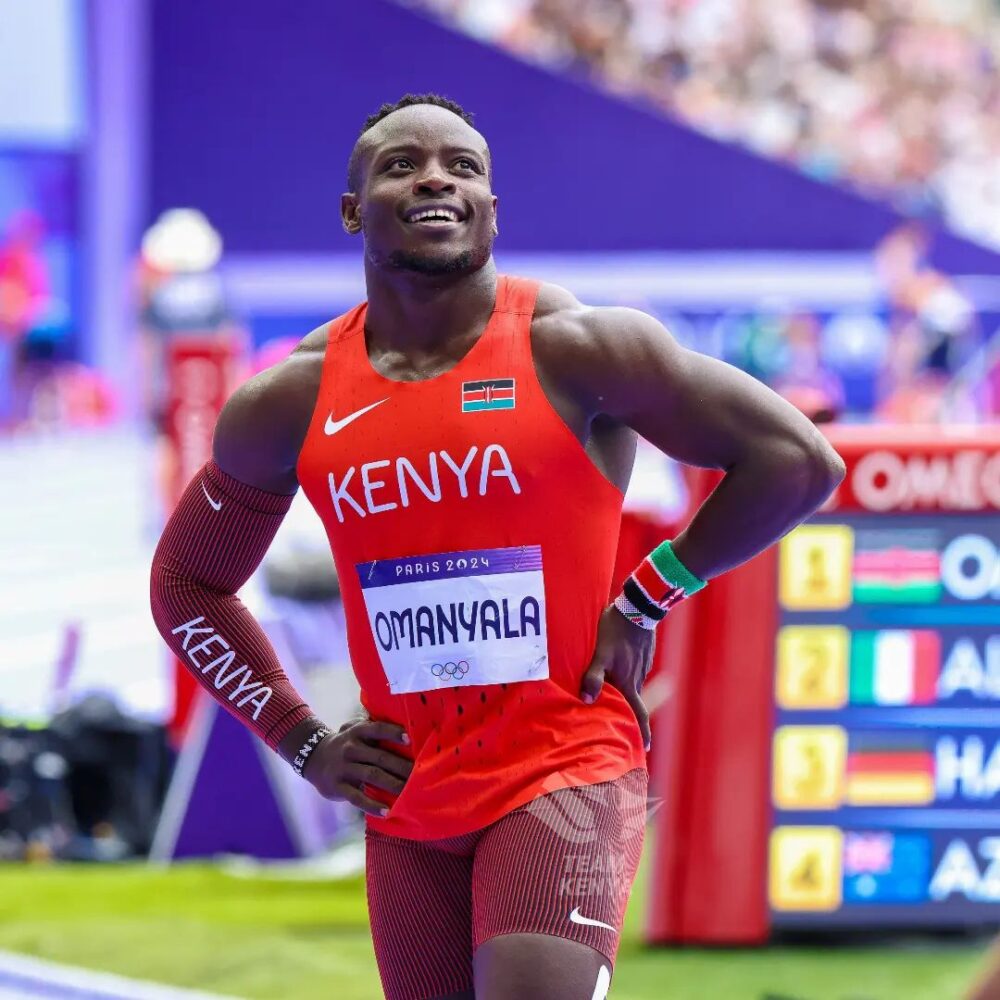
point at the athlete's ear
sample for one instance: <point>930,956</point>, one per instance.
<point>350,213</point>
<point>496,232</point>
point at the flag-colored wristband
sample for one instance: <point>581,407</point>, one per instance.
<point>634,615</point>
<point>672,570</point>
<point>659,582</point>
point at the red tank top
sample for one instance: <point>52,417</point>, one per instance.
<point>474,539</point>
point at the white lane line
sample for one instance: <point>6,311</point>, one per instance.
<point>24,978</point>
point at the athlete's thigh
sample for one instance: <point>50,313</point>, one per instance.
<point>529,966</point>
<point>551,881</point>
<point>420,910</point>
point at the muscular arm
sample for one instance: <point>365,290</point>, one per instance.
<point>216,538</point>
<point>703,412</point>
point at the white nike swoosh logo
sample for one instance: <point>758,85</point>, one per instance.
<point>577,919</point>
<point>216,504</point>
<point>332,426</point>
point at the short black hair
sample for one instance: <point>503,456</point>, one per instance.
<point>406,101</point>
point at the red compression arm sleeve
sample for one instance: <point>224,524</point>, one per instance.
<point>211,545</point>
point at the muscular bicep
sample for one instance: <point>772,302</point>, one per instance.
<point>260,431</point>
<point>695,408</point>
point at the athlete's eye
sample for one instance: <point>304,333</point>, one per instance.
<point>466,164</point>
<point>396,160</point>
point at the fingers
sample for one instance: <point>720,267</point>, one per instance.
<point>593,679</point>
<point>650,657</point>
<point>353,759</point>
<point>642,716</point>
<point>358,798</point>
<point>371,774</point>
<point>388,731</point>
<point>393,763</point>
<point>368,753</point>
<point>646,667</point>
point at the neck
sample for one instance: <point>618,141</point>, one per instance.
<point>415,312</point>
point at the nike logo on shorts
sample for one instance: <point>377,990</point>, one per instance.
<point>216,504</point>
<point>332,426</point>
<point>577,919</point>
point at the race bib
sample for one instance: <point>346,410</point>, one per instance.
<point>458,618</point>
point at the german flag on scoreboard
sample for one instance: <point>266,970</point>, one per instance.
<point>488,394</point>
<point>889,769</point>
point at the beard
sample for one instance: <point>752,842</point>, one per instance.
<point>439,264</point>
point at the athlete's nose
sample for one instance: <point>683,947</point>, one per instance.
<point>433,182</point>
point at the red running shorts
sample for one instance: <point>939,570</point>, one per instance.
<point>562,864</point>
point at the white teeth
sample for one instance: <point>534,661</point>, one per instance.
<point>444,214</point>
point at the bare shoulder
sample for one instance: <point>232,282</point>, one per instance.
<point>554,302</point>
<point>591,349</point>
<point>561,319</point>
<point>556,328</point>
<point>625,364</point>
<point>262,426</point>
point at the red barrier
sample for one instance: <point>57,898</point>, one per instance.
<point>202,371</point>
<point>711,762</point>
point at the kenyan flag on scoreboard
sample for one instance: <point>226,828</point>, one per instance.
<point>897,567</point>
<point>896,667</point>
<point>889,769</point>
<point>491,394</point>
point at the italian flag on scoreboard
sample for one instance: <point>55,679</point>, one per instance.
<point>895,667</point>
<point>898,567</point>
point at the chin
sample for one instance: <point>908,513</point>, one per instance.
<point>440,262</point>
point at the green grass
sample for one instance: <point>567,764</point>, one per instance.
<point>194,926</point>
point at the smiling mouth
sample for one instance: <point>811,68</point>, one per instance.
<point>437,216</point>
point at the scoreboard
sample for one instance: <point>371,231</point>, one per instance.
<point>847,749</point>
<point>885,764</point>
<point>886,750</point>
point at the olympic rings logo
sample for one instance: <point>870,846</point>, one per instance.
<point>451,671</point>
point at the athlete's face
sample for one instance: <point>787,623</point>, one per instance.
<point>424,201</point>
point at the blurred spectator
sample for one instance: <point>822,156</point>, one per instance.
<point>910,392</point>
<point>935,334</point>
<point>180,292</point>
<point>24,283</point>
<point>943,316</point>
<point>900,98</point>
<point>24,295</point>
<point>807,382</point>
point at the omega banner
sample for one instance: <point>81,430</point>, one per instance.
<point>202,371</point>
<point>831,759</point>
<point>946,471</point>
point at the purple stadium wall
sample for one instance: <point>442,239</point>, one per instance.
<point>255,108</point>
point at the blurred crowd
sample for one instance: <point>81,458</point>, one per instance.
<point>916,356</point>
<point>40,387</point>
<point>900,98</point>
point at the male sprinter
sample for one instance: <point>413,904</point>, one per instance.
<point>467,437</point>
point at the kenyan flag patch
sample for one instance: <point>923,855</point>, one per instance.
<point>492,394</point>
